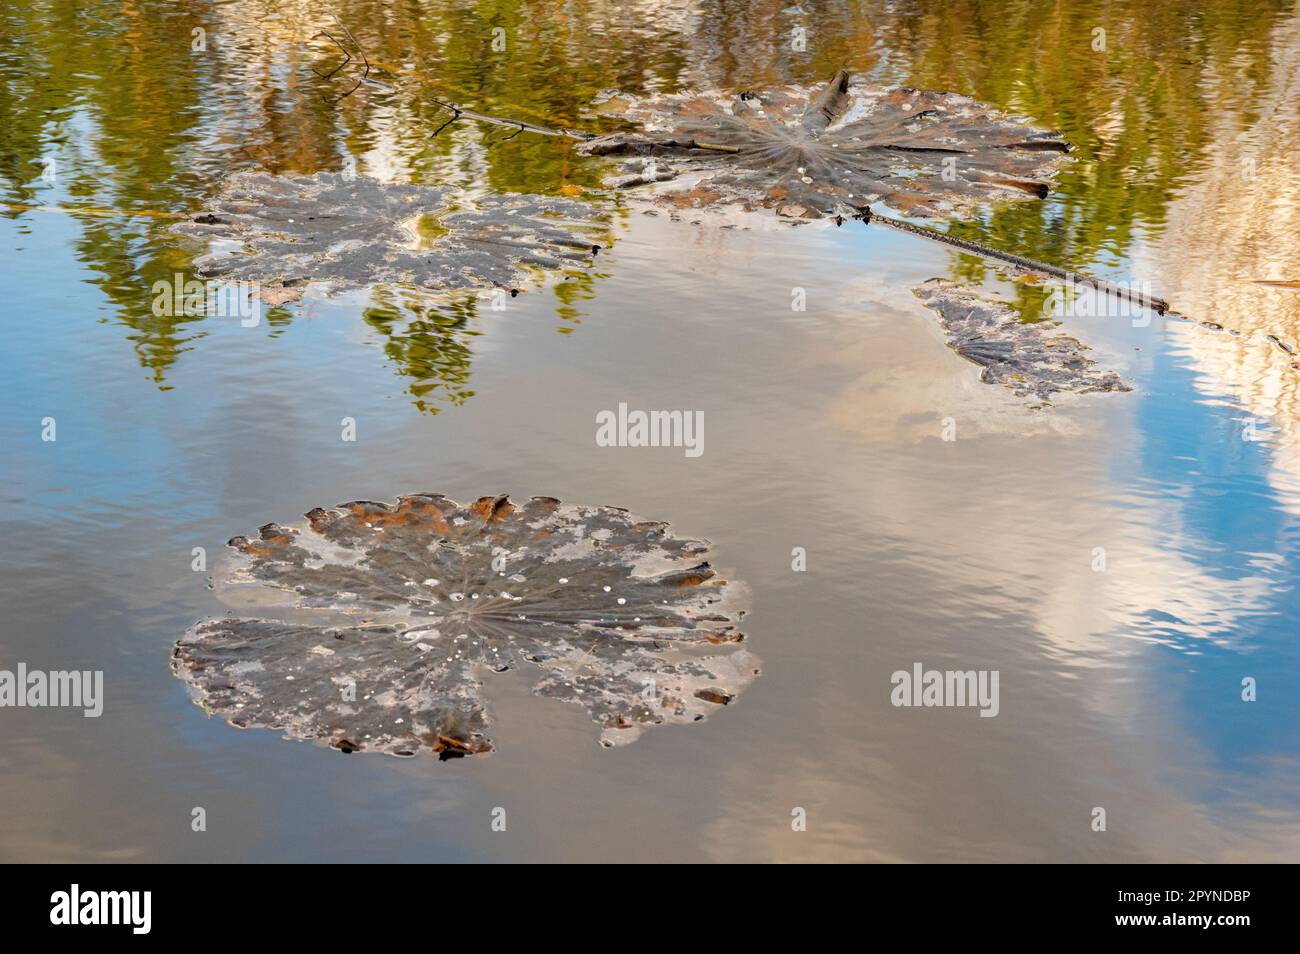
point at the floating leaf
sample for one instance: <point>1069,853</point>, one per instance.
<point>393,615</point>
<point>1032,359</point>
<point>353,231</point>
<point>834,151</point>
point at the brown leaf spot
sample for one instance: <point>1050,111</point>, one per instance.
<point>716,696</point>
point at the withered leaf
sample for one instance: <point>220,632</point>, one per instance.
<point>1032,359</point>
<point>353,231</point>
<point>832,151</point>
<point>380,627</point>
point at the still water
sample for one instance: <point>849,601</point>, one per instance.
<point>1120,686</point>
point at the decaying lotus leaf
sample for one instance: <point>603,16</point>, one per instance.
<point>352,231</point>
<point>834,151</point>
<point>393,621</point>
<point>1032,359</point>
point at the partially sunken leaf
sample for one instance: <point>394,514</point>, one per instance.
<point>393,617</point>
<point>1032,359</point>
<point>354,231</point>
<point>833,151</point>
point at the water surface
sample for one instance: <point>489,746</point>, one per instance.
<point>1119,689</point>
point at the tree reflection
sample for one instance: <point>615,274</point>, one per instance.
<point>140,121</point>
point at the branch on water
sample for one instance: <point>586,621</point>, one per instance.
<point>1158,305</point>
<point>365,75</point>
<point>621,144</point>
<point>457,112</point>
<point>517,124</point>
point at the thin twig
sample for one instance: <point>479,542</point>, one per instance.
<point>1158,305</point>
<point>457,111</point>
<point>517,124</point>
<point>365,75</point>
<point>91,210</point>
<point>346,54</point>
<point>455,115</point>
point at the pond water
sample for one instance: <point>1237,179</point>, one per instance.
<point>1123,560</point>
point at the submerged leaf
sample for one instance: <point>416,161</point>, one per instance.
<point>1032,359</point>
<point>353,231</point>
<point>834,151</point>
<point>393,614</point>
